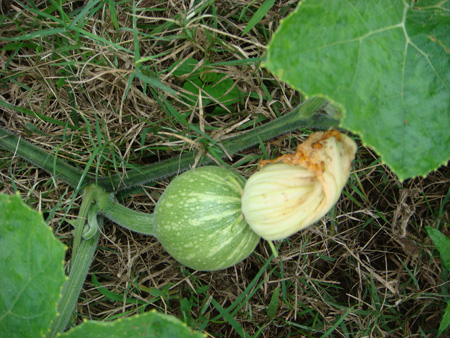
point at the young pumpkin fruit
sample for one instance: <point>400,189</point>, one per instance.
<point>198,219</point>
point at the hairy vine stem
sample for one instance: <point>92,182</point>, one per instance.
<point>72,288</point>
<point>44,160</point>
<point>303,116</point>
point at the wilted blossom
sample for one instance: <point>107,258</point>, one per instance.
<point>296,190</point>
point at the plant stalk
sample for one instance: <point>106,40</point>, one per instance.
<point>301,117</point>
<point>132,220</point>
<point>88,198</point>
<point>77,276</point>
<point>136,221</point>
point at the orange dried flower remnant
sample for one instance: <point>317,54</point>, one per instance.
<point>306,153</point>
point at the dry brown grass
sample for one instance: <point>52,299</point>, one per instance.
<point>372,255</point>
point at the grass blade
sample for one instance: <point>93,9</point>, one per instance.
<point>338,322</point>
<point>154,82</point>
<point>37,34</point>
<point>83,13</point>
<point>260,13</point>
<point>100,39</point>
<point>229,318</point>
<point>113,13</point>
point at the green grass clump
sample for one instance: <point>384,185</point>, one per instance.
<point>113,86</point>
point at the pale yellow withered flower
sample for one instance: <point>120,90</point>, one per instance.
<point>296,190</point>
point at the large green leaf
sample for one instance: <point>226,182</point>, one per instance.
<point>148,325</point>
<point>385,63</point>
<point>31,280</point>
<point>31,270</point>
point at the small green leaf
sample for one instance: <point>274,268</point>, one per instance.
<point>32,274</point>
<point>445,322</point>
<point>385,63</point>
<point>224,90</point>
<point>193,85</point>
<point>148,325</point>
<point>209,76</point>
<point>442,243</point>
<point>221,89</point>
<point>273,305</point>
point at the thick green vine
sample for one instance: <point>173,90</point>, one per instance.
<point>303,116</point>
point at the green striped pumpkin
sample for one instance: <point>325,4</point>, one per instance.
<point>198,219</point>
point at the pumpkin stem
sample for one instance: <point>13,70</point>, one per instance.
<point>132,220</point>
